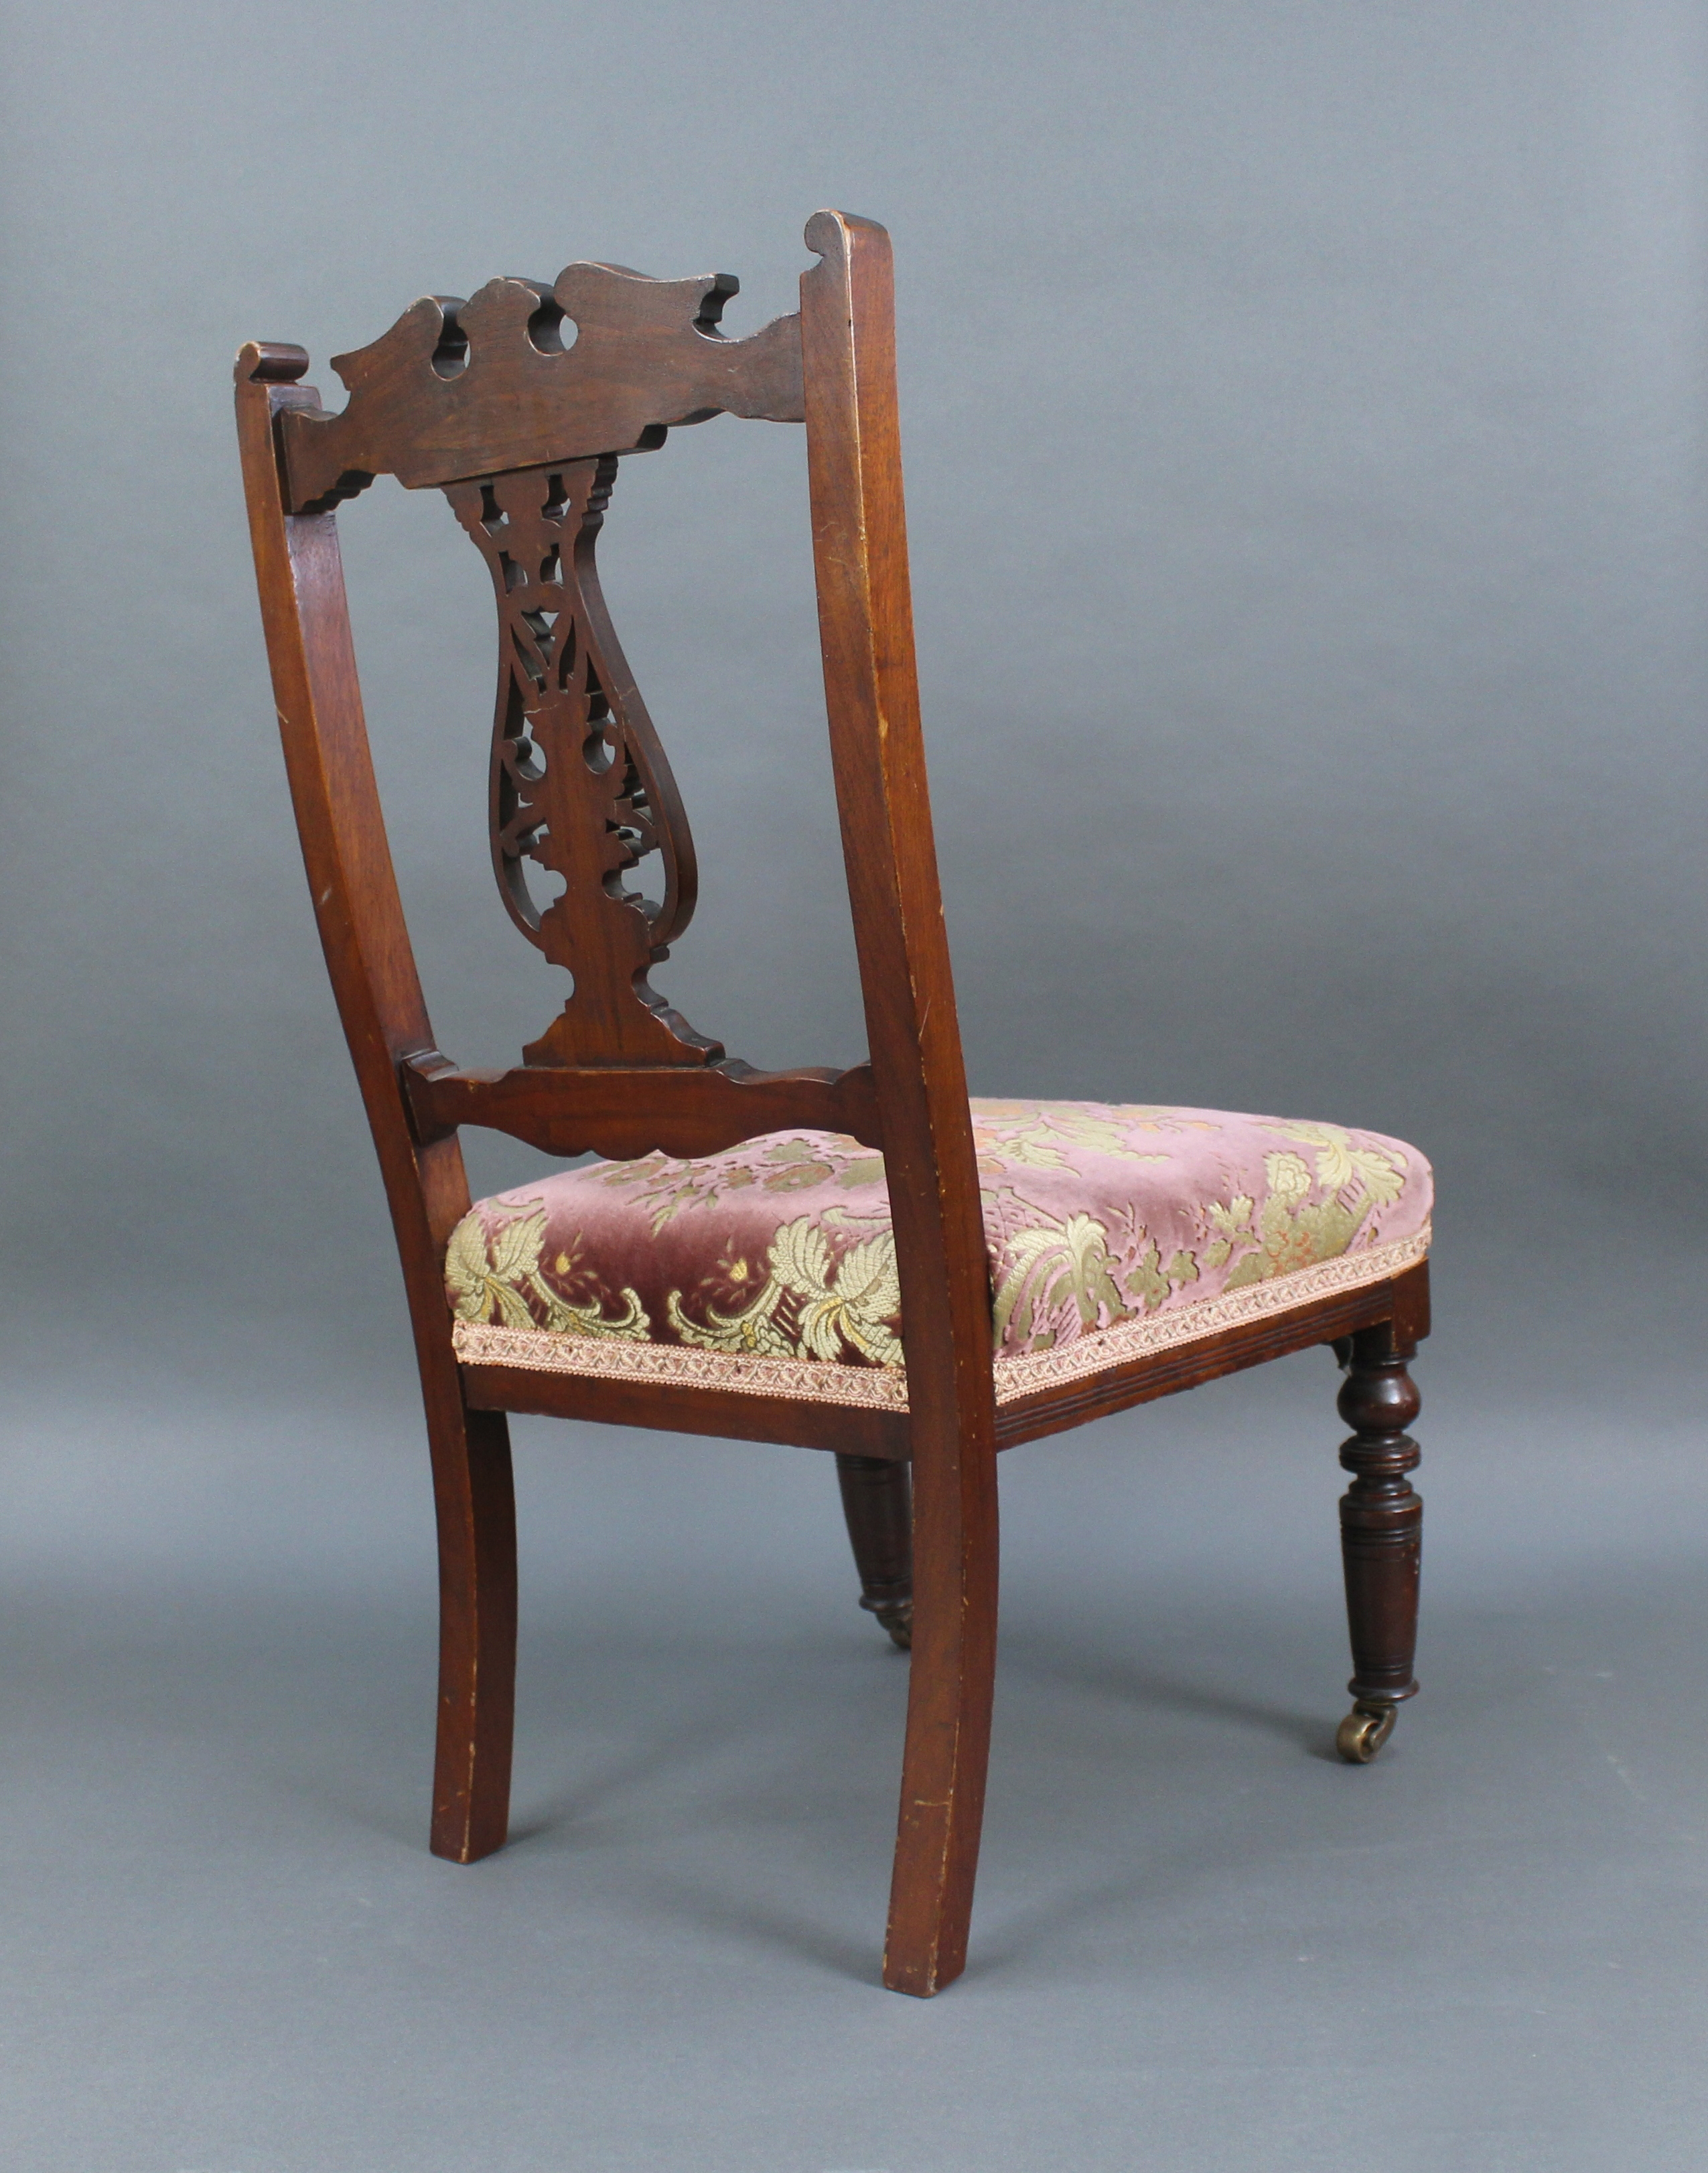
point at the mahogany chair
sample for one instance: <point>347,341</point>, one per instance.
<point>754,1248</point>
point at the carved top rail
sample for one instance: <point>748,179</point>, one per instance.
<point>603,361</point>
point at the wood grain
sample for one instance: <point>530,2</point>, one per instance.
<point>624,1115</point>
<point>603,361</point>
<point>1191,1365</point>
<point>736,1415</point>
<point>871,694</point>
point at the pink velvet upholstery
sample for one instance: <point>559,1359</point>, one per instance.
<point>1111,1228</point>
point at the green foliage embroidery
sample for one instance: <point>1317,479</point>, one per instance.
<point>493,1278</point>
<point>811,1304</point>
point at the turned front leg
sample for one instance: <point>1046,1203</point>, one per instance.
<point>877,1501</point>
<point>1380,1535</point>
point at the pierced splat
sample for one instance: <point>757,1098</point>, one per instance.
<point>579,786</point>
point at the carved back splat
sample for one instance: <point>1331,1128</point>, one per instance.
<point>517,404</point>
<point>579,783</point>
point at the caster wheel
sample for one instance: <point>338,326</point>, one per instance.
<point>1363,1732</point>
<point>898,1619</point>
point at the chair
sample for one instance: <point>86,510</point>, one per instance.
<point>754,1247</point>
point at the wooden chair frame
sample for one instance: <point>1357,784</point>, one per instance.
<point>624,1078</point>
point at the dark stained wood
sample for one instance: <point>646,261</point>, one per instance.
<point>1190,1365</point>
<point>732,1414</point>
<point>603,362</point>
<point>1381,1517</point>
<point>490,400</point>
<point>877,1503</point>
<point>626,1115</point>
<point>580,785</point>
<point>385,1017</point>
<point>1410,1314</point>
<point>871,692</point>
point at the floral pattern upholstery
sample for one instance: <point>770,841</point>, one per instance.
<point>1112,1229</point>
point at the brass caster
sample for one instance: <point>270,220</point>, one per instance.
<point>1364,1731</point>
<point>897,1618</point>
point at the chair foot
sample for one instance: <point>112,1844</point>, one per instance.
<point>1364,1731</point>
<point>894,1615</point>
<point>877,1501</point>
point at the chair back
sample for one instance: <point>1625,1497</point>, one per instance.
<point>520,405</point>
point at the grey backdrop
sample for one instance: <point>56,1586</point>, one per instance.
<point>1303,413</point>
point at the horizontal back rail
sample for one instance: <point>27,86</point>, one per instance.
<point>623,1113</point>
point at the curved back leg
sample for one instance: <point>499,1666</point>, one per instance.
<point>475,1501</point>
<point>948,1705</point>
<point>877,754</point>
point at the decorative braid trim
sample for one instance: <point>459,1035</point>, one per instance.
<point>803,1380</point>
<point>1032,1370</point>
<point>884,1388</point>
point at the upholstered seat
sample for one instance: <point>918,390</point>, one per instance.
<point>1113,1230</point>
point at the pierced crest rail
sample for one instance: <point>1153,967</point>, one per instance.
<point>458,389</point>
